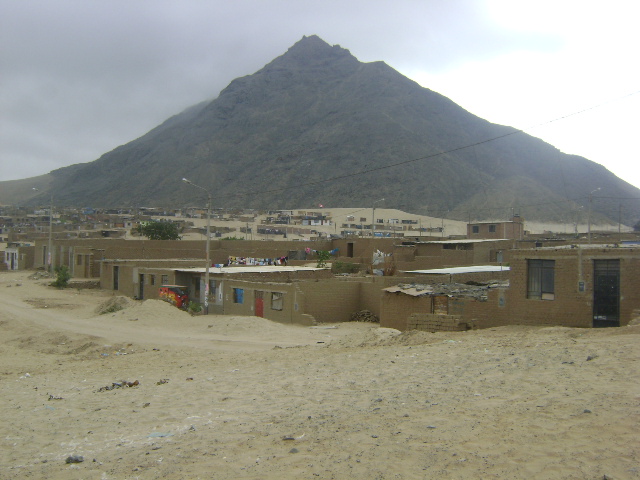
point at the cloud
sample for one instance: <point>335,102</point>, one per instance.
<point>80,78</point>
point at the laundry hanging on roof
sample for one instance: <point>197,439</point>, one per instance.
<point>257,261</point>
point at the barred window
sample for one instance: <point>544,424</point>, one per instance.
<point>541,279</point>
<point>277,301</point>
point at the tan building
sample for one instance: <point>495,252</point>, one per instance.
<point>575,285</point>
<point>572,286</point>
<point>19,256</point>
<point>513,229</point>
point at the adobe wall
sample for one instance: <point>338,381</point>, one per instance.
<point>395,309</point>
<point>330,301</point>
<point>428,278</point>
<point>116,248</point>
<point>493,312</point>
<point>290,313</point>
<point>436,322</point>
<point>363,248</point>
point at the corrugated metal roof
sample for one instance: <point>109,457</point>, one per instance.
<point>468,269</point>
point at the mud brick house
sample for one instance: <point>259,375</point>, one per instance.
<point>513,229</point>
<point>570,285</point>
<point>84,257</point>
<point>286,294</point>
<point>575,285</point>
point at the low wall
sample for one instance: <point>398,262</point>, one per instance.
<point>435,322</point>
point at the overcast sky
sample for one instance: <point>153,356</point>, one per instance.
<point>78,77</point>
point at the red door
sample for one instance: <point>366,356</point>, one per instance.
<point>259,304</point>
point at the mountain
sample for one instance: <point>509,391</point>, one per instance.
<point>317,126</point>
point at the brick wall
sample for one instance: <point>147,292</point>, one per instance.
<point>434,322</point>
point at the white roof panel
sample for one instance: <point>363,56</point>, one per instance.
<point>468,269</point>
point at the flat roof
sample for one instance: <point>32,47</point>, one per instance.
<point>250,269</point>
<point>468,269</point>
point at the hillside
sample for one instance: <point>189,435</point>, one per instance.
<point>317,126</point>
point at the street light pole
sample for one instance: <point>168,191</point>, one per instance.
<point>589,218</point>
<point>207,245</point>
<point>373,217</point>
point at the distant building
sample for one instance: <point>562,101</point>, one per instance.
<point>513,229</point>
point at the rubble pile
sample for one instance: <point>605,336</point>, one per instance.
<point>476,290</point>
<point>364,316</point>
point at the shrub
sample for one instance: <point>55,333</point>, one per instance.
<point>62,277</point>
<point>194,307</point>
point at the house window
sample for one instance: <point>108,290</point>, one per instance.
<point>165,279</point>
<point>475,229</point>
<point>79,259</point>
<point>238,295</point>
<point>152,279</point>
<point>277,300</point>
<point>541,279</point>
<point>492,229</point>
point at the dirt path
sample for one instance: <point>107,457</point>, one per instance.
<point>244,398</point>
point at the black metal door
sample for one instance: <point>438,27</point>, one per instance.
<point>141,292</point>
<point>606,293</point>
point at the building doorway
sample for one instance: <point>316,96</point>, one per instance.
<point>606,293</point>
<point>259,303</point>
<point>141,289</point>
<point>116,277</point>
<point>350,249</point>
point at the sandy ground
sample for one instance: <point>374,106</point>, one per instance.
<point>244,398</point>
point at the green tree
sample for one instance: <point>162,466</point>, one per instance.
<point>323,257</point>
<point>159,230</point>
<point>62,277</point>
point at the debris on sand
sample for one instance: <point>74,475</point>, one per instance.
<point>114,304</point>
<point>122,384</point>
<point>74,459</point>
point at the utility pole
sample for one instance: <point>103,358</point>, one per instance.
<point>373,217</point>
<point>50,248</point>
<point>589,218</point>
<point>207,245</point>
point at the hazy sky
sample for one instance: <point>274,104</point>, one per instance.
<point>78,77</point>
